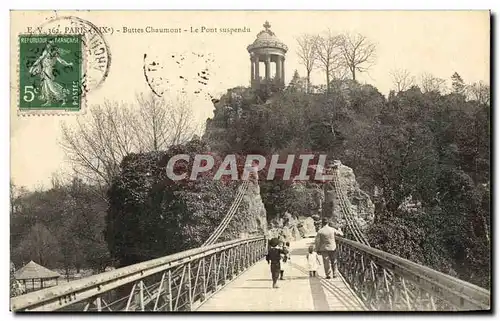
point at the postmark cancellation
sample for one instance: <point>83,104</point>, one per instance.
<point>51,71</point>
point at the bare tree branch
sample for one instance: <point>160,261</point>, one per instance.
<point>479,91</point>
<point>101,139</point>
<point>358,52</point>
<point>429,82</point>
<point>307,55</point>
<point>328,54</point>
<point>402,79</point>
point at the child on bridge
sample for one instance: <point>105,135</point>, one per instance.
<point>312,261</point>
<point>273,257</point>
<point>285,265</point>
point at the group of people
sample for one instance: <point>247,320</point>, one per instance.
<point>278,255</point>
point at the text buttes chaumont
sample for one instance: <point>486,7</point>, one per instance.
<point>150,29</point>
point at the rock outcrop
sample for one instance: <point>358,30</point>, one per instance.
<point>361,205</point>
<point>324,202</point>
<point>256,210</point>
<point>251,216</point>
<point>229,109</point>
<point>291,228</point>
<point>308,226</point>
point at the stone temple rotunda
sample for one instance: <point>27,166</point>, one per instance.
<point>267,51</point>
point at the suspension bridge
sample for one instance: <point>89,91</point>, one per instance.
<point>233,276</point>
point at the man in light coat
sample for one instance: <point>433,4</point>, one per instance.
<point>326,246</point>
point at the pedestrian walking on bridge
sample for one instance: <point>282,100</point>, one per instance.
<point>274,257</point>
<point>326,246</point>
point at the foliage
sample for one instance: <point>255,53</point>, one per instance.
<point>457,84</point>
<point>151,215</point>
<point>99,140</point>
<point>15,286</point>
<point>297,199</point>
<point>418,144</point>
<point>40,245</point>
<point>59,228</point>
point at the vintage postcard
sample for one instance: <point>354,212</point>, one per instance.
<point>250,161</point>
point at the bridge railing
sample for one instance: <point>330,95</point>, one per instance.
<point>387,282</point>
<point>178,282</point>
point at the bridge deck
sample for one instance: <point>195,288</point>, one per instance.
<point>253,291</point>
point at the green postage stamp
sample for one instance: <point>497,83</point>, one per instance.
<point>50,74</point>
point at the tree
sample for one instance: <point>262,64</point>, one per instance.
<point>13,197</point>
<point>152,216</point>
<point>328,54</point>
<point>112,130</point>
<point>430,83</point>
<point>39,245</point>
<point>480,92</point>
<point>99,141</point>
<point>297,83</point>
<point>358,52</point>
<point>402,79</point>
<point>86,227</point>
<point>162,123</point>
<point>69,217</point>
<point>307,55</point>
<point>15,286</point>
<point>457,84</point>
<point>431,148</point>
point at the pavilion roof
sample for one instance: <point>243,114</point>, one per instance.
<point>35,271</point>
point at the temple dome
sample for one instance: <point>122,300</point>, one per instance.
<point>267,39</point>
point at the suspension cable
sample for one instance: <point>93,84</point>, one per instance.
<point>353,225</point>
<point>346,211</point>
<point>229,215</point>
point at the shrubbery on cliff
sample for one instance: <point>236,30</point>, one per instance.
<point>431,147</point>
<point>151,216</point>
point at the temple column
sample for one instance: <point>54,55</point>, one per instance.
<point>256,69</point>
<point>268,68</point>
<point>283,70</point>
<point>252,68</point>
<point>278,70</point>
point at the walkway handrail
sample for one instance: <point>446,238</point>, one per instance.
<point>437,291</point>
<point>246,252</point>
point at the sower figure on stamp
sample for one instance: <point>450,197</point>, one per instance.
<point>44,66</point>
<point>326,246</point>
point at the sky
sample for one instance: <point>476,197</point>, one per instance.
<point>438,42</point>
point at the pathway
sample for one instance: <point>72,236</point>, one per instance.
<point>253,291</point>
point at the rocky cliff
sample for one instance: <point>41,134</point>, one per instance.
<point>324,202</point>
<point>293,230</point>
<point>251,216</point>
<point>362,207</point>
